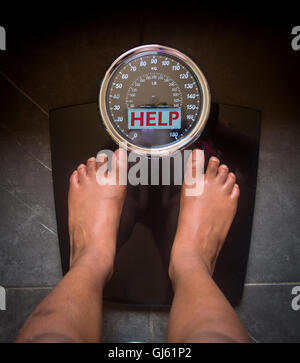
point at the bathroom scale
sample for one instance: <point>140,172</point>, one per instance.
<point>140,276</point>
<point>156,100</point>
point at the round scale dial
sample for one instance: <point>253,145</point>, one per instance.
<point>155,99</point>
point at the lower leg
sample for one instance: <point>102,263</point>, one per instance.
<point>73,310</point>
<point>200,312</point>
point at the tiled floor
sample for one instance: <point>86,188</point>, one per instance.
<point>245,63</point>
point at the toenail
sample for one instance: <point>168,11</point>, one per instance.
<point>122,155</point>
<point>224,166</point>
<point>197,155</point>
<point>101,157</point>
<point>232,175</point>
<point>215,161</point>
<point>92,159</point>
<point>81,166</point>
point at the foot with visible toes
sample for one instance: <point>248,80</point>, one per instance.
<point>94,213</point>
<point>204,220</point>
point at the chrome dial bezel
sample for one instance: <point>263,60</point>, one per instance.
<point>171,148</point>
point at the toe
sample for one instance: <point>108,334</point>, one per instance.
<point>222,173</point>
<point>229,184</point>
<point>197,158</point>
<point>212,167</point>
<point>235,192</point>
<point>101,159</point>
<point>195,162</point>
<point>91,166</point>
<point>193,176</point>
<point>74,179</point>
<point>119,167</point>
<point>81,172</point>
<point>102,168</point>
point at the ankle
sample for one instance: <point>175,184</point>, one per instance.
<point>186,265</point>
<point>193,253</point>
<point>99,261</point>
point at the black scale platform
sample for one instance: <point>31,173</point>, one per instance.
<point>149,217</point>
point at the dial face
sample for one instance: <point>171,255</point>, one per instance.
<point>153,99</point>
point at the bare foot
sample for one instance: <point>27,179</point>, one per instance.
<point>204,220</point>
<point>94,215</point>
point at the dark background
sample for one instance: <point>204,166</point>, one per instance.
<point>55,57</point>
